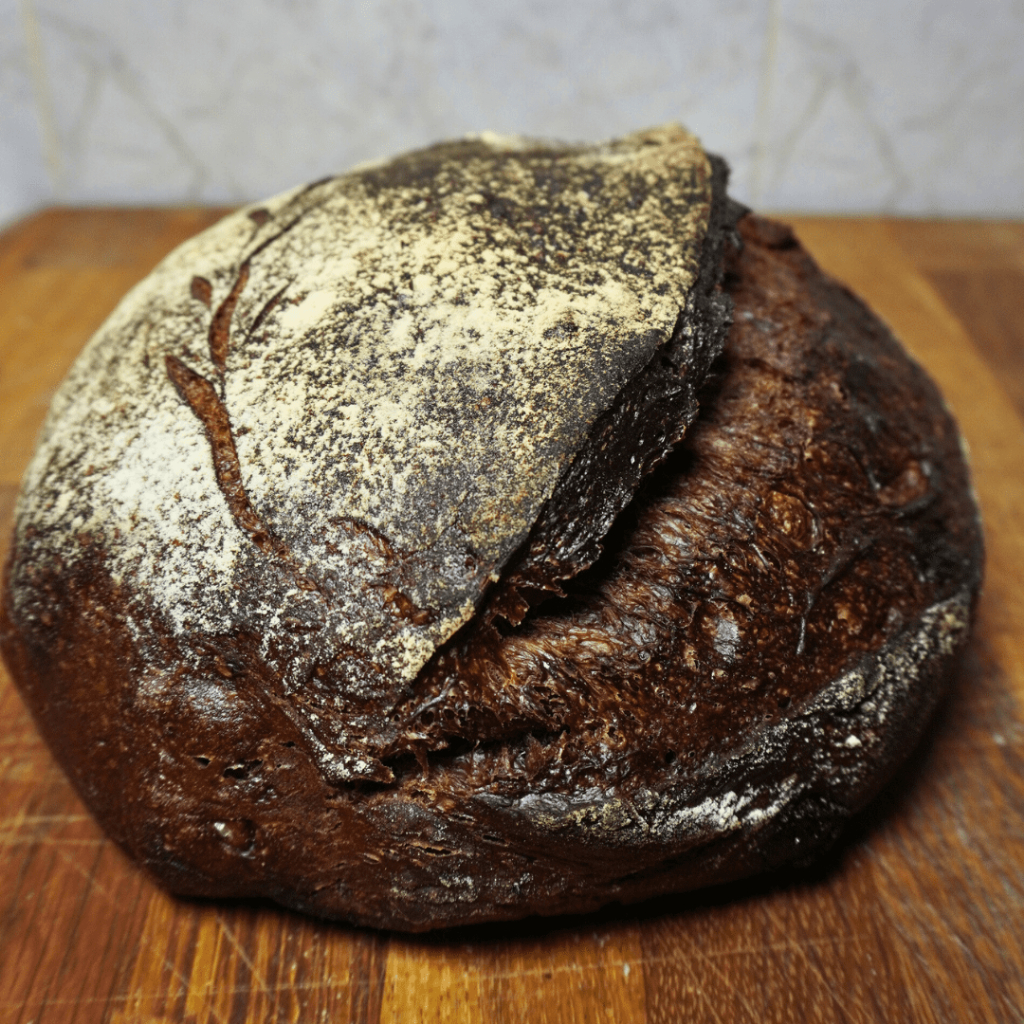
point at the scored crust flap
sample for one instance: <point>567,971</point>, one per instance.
<point>331,426</point>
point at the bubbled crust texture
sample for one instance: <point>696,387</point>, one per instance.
<point>760,643</point>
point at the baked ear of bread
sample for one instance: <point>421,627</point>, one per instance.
<point>624,649</point>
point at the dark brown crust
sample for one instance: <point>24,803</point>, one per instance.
<point>818,507</point>
<point>650,416</point>
<point>761,642</point>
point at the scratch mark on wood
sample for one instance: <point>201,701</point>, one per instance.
<point>90,877</point>
<point>327,985</point>
<point>709,999</point>
<point>24,740</point>
<point>801,950</point>
<point>724,978</point>
<point>40,819</point>
<point>47,841</point>
<point>76,922</point>
<point>242,955</point>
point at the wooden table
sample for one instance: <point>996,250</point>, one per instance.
<point>918,915</point>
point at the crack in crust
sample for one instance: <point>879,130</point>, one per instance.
<point>201,397</point>
<point>220,325</point>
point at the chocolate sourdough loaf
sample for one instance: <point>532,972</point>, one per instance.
<point>423,546</point>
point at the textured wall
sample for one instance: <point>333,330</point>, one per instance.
<point>914,106</point>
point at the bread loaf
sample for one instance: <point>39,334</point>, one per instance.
<point>424,547</point>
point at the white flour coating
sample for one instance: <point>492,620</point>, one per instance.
<point>408,369</point>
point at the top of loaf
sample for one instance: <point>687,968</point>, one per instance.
<point>341,411</point>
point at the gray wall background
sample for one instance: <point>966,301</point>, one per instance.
<point>908,106</point>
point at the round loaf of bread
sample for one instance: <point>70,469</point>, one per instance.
<point>503,529</point>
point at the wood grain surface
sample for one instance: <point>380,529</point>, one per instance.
<point>917,915</point>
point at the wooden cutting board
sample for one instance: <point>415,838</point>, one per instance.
<point>918,914</point>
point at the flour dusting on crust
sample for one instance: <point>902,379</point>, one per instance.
<point>345,407</point>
